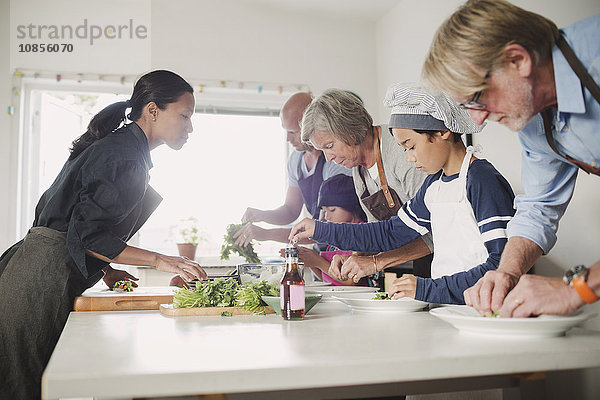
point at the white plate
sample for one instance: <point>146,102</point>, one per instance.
<point>467,319</point>
<point>316,284</point>
<point>329,291</point>
<point>364,302</point>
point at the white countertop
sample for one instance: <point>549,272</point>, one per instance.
<point>143,353</point>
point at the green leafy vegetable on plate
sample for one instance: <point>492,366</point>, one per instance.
<point>382,296</point>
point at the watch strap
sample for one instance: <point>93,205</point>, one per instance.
<point>583,290</point>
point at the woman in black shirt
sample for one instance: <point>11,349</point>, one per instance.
<point>82,222</point>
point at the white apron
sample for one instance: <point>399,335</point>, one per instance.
<point>456,238</point>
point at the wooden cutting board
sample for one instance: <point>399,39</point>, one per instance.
<point>169,310</point>
<point>142,298</point>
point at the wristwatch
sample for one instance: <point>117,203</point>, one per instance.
<point>576,277</point>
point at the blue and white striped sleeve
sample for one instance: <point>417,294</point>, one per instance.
<point>411,223</point>
<point>491,197</point>
<point>414,213</point>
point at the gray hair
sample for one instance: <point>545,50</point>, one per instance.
<point>340,113</point>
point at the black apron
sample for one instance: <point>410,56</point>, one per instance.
<point>385,203</point>
<point>589,84</point>
<point>310,185</point>
<point>37,290</point>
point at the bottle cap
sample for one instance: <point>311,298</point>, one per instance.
<point>291,251</point>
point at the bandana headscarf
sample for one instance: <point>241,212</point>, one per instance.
<point>418,108</point>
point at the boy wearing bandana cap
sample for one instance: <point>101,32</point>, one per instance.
<point>465,202</point>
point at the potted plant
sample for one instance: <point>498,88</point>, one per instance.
<point>189,237</point>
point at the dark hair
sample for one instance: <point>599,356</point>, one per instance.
<point>456,137</point>
<point>338,191</point>
<point>160,86</point>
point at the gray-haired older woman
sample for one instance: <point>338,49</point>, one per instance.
<point>337,123</point>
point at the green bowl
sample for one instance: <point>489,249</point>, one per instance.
<point>310,300</point>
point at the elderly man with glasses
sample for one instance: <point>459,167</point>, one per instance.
<point>515,67</point>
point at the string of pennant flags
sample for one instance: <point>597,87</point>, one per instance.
<point>200,86</point>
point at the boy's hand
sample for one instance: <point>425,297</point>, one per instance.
<point>405,286</point>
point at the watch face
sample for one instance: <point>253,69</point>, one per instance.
<point>574,272</point>
<point>577,270</point>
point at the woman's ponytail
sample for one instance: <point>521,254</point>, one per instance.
<point>106,121</point>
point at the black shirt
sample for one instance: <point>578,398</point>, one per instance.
<point>101,198</point>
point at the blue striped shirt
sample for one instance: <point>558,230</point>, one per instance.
<point>490,196</point>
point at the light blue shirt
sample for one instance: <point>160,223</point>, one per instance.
<point>548,180</point>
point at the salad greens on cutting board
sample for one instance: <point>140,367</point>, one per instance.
<point>225,292</point>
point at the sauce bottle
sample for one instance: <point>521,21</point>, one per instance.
<point>292,287</point>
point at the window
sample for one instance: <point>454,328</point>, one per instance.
<point>230,162</point>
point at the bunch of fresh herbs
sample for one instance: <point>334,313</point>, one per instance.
<point>229,246</point>
<point>217,293</point>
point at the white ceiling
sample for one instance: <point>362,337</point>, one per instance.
<point>358,10</point>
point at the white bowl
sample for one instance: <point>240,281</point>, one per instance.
<point>272,272</point>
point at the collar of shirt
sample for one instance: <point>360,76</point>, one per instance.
<point>139,134</point>
<point>569,92</point>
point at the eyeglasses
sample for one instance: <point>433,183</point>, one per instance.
<point>474,103</point>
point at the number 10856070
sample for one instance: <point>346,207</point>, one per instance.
<point>45,48</point>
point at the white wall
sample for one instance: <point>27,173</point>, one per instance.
<point>402,41</point>
<point>242,40</point>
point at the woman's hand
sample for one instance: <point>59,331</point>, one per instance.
<point>178,281</point>
<point>188,269</point>
<point>304,229</point>
<point>405,286</point>
<point>247,233</point>
<point>111,276</point>
<point>353,267</point>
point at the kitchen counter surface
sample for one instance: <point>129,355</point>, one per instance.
<point>144,354</point>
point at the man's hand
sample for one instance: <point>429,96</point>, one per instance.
<point>536,295</point>
<point>247,233</point>
<point>251,215</point>
<point>111,276</point>
<point>488,294</point>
